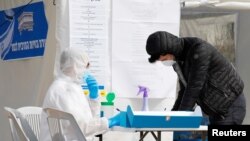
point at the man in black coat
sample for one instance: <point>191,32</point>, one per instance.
<point>206,77</point>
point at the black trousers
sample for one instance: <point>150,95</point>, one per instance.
<point>236,113</point>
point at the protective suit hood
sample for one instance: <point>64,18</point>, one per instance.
<point>161,43</point>
<point>73,63</point>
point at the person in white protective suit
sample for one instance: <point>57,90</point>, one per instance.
<point>66,94</point>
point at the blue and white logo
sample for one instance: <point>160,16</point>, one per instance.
<point>23,32</point>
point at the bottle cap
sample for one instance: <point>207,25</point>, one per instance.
<point>110,98</point>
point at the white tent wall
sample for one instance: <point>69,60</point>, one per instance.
<point>24,82</point>
<point>243,50</point>
<point>242,45</point>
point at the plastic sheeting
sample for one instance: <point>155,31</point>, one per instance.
<point>62,30</point>
<point>234,5</point>
<point>219,29</point>
<point>217,4</point>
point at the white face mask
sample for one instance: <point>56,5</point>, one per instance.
<point>168,62</point>
<point>85,76</point>
<point>79,74</point>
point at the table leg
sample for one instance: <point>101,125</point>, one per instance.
<point>99,136</point>
<point>203,135</point>
<point>142,135</point>
<point>159,135</point>
<point>156,136</point>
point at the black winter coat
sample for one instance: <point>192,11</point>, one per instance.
<point>212,82</point>
<point>206,71</point>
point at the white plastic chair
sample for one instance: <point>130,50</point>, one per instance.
<point>32,116</point>
<point>19,131</point>
<point>57,120</point>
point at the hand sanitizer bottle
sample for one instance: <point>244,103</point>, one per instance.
<point>144,90</point>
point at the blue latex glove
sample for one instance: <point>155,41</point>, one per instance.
<point>115,120</point>
<point>92,86</point>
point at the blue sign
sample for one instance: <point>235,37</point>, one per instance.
<point>23,31</point>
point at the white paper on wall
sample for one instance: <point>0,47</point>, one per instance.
<point>132,22</point>
<point>89,28</point>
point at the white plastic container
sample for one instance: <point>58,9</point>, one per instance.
<point>107,108</point>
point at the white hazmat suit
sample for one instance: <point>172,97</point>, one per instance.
<point>66,94</point>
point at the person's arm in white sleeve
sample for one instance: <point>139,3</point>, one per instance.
<point>95,107</point>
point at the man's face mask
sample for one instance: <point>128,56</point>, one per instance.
<point>168,62</point>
